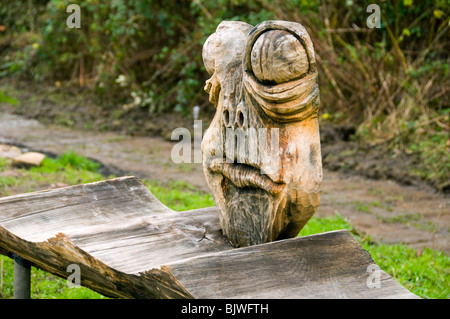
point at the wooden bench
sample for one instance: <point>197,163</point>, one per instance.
<point>129,245</point>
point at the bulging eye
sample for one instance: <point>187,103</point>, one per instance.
<point>277,56</point>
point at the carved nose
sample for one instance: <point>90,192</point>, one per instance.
<point>240,120</point>
<point>226,117</point>
<point>234,118</point>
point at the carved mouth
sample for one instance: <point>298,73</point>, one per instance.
<point>242,175</point>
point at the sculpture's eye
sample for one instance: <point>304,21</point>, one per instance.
<point>278,56</point>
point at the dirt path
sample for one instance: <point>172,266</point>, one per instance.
<point>384,210</point>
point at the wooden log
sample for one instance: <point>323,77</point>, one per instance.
<point>129,245</point>
<point>329,265</point>
<point>261,154</point>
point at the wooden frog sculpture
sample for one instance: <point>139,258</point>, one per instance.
<point>261,153</point>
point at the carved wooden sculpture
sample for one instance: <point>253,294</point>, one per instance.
<point>261,154</point>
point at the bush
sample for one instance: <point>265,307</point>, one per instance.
<point>390,83</point>
<point>142,53</point>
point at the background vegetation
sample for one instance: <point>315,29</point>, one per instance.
<point>391,84</point>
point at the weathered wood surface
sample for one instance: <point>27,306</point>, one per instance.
<point>261,154</point>
<point>129,245</point>
<point>328,265</point>
<point>115,230</point>
<point>112,219</point>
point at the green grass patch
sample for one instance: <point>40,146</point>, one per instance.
<point>179,195</point>
<point>69,168</point>
<point>43,285</point>
<point>363,208</point>
<point>426,273</point>
<point>8,181</point>
<point>377,203</point>
<point>367,206</point>
<point>415,220</point>
<point>403,219</point>
<point>3,163</point>
<point>68,160</point>
<point>4,98</point>
<point>325,224</point>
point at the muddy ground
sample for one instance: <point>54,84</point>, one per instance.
<point>385,208</point>
<point>81,110</point>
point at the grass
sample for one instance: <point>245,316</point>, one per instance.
<point>415,220</point>
<point>4,98</point>
<point>179,195</point>
<point>69,169</point>
<point>425,273</point>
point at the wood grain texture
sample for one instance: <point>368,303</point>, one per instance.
<point>278,56</point>
<point>116,231</point>
<point>261,154</point>
<point>329,265</point>
<point>129,245</point>
<point>118,221</point>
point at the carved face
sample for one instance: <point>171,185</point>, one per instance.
<point>261,154</point>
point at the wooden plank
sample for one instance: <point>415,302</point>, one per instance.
<point>116,231</point>
<point>328,265</point>
<point>118,222</point>
<point>129,245</point>
<point>56,254</point>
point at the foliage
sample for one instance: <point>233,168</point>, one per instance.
<point>154,45</point>
<point>179,195</point>
<point>21,16</point>
<point>391,83</point>
<point>4,98</point>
